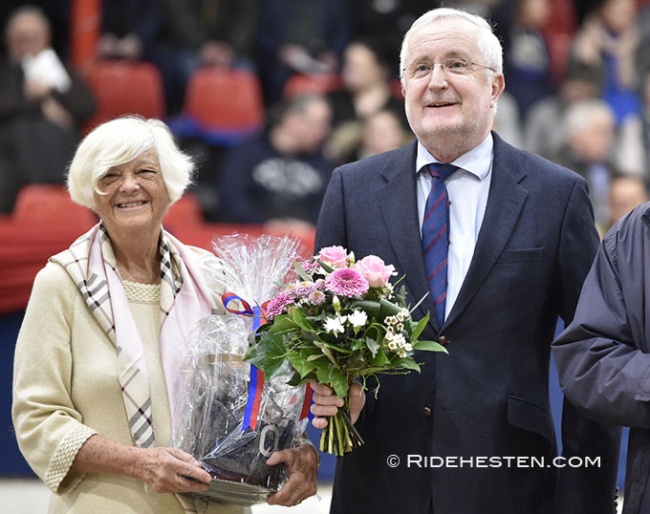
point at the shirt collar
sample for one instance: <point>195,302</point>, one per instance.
<point>477,161</point>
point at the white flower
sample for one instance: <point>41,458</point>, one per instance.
<point>398,339</point>
<point>335,325</point>
<point>358,318</point>
<point>397,343</point>
<point>402,315</point>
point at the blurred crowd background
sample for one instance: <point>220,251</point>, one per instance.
<point>270,95</point>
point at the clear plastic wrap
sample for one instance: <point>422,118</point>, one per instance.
<point>229,419</point>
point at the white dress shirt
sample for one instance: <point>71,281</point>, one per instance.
<point>468,190</point>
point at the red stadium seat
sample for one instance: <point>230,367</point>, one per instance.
<point>49,203</point>
<point>221,105</point>
<point>186,211</point>
<point>312,84</point>
<point>125,87</point>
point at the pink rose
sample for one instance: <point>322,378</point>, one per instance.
<point>335,256</point>
<point>375,271</point>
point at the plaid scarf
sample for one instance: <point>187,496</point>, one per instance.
<point>184,299</point>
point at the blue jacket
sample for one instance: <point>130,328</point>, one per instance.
<point>603,357</point>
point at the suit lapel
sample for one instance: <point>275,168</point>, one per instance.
<point>400,217</point>
<point>505,201</point>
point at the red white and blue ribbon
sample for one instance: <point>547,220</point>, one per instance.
<point>256,382</point>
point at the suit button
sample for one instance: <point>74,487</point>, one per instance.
<point>443,340</point>
<point>426,412</point>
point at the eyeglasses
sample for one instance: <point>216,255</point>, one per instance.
<point>451,66</point>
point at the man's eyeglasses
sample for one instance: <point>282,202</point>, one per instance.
<point>452,66</point>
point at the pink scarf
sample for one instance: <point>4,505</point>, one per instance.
<point>185,299</point>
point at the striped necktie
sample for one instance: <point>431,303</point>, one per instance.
<point>435,235</point>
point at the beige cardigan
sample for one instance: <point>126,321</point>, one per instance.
<point>66,389</point>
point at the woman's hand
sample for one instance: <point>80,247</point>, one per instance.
<point>165,470</point>
<point>171,470</point>
<point>302,463</point>
<point>325,404</point>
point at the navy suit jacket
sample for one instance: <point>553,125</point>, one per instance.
<point>488,398</point>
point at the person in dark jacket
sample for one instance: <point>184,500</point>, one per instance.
<point>279,176</point>
<point>43,105</point>
<point>603,357</point>
<point>298,36</point>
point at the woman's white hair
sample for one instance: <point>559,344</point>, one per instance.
<point>120,141</point>
<point>488,43</point>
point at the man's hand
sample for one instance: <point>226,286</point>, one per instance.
<point>325,404</point>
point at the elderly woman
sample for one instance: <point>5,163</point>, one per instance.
<point>96,370</point>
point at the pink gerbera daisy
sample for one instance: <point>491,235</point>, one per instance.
<point>278,305</point>
<point>346,282</point>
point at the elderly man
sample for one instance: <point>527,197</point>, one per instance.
<point>473,432</point>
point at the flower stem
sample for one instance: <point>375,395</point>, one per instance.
<point>340,436</point>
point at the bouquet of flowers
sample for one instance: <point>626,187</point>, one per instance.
<point>339,321</point>
<point>230,418</point>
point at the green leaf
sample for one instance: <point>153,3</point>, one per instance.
<point>388,308</point>
<point>370,307</point>
<point>420,326</point>
<point>268,354</point>
<point>429,346</point>
<point>338,348</point>
<point>326,267</point>
<point>335,378</point>
<point>373,346</point>
<point>406,363</point>
<point>281,323</point>
<point>300,320</point>
<point>301,272</point>
<point>380,359</point>
<point>327,352</point>
<point>300,364</point>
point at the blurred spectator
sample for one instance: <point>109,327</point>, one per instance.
<point>543,131</point>
<point>479,7</point>
<point>644,28</point>
<point>589,129</point>
<point>389,20</point>
<point>526,55</point>
<point>608,41</point>
<point>366,90</point>
<point>299,36</point>
<point>129,29</point>
<point>197,33</point>
<point>280,175</point>
<point>58,14</point>
<point>43,104</point>
<point>582,9</point>
<point>506,120</point>
<point>379,132</point>
<point>625,193</point>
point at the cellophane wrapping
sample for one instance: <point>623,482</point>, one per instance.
<point>209,419</point>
